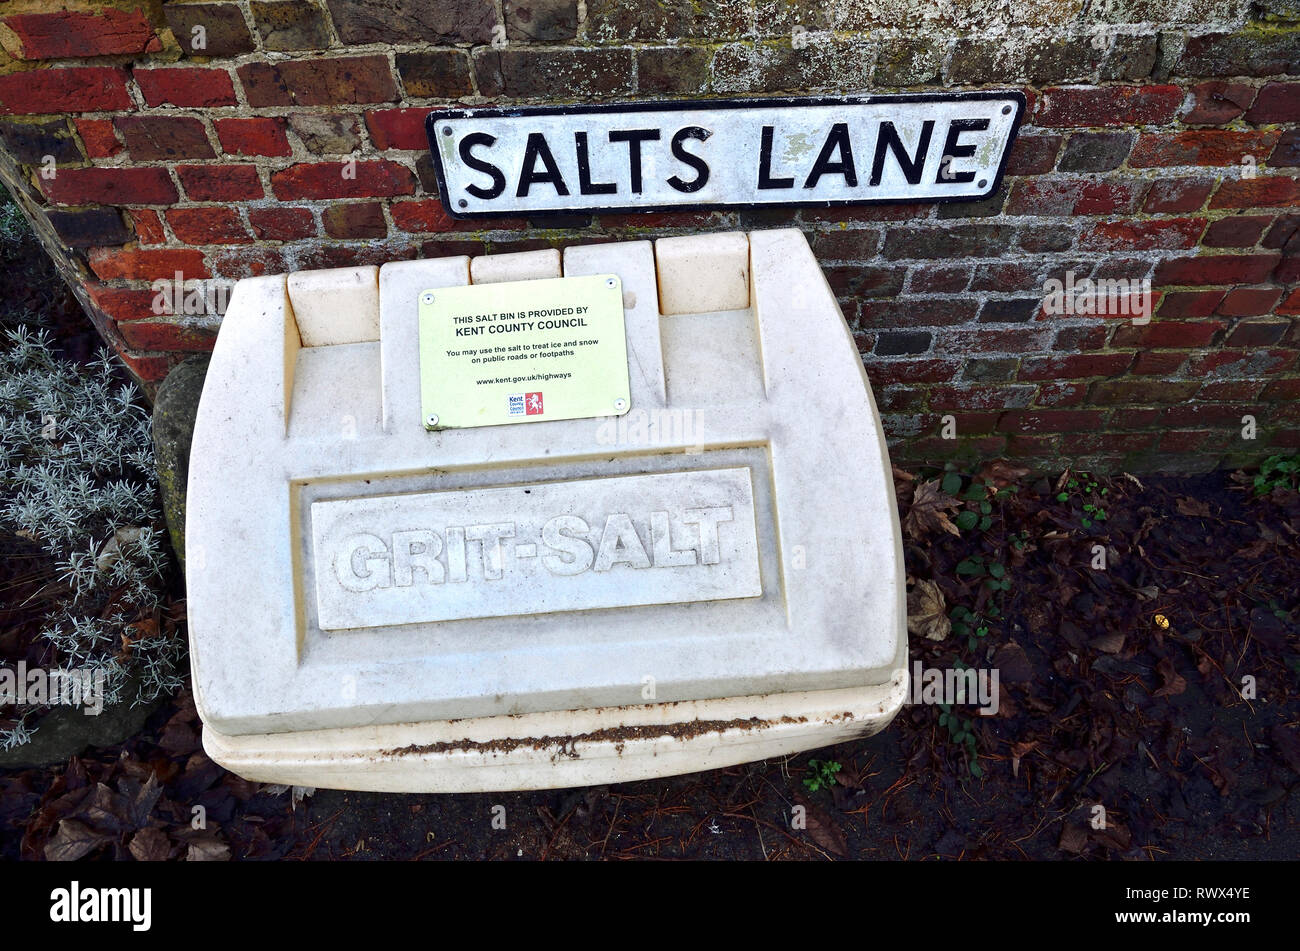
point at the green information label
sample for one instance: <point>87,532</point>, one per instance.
<point>523,352</point>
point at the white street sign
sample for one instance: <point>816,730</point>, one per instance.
<point>711,154</point>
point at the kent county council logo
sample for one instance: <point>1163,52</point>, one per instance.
<point>534,403</point>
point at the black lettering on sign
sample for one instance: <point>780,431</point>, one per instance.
<point>765,179</point>
<point>468,157</point>
<point>585,185</point>
<point>912,166</point>
<point>634,138</point>
<point>952,150</point>
<point>536,148</point>
<point>694,161</point>
<point>836,140</point>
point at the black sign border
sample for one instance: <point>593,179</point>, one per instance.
<point>672,105</point>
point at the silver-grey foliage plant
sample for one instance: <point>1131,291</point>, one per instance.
<point>77,478</point>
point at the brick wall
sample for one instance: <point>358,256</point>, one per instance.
<point>1162,142</point>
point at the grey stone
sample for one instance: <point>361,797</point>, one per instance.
<point>174,409</point>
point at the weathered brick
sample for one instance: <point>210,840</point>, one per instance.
<point>1216,269</point>
<point>1258,333</point>
<point>581,73</point>
<point>110,186</point>
<point>413,21</point>
<point>1096,151</point>
<point>31,142</point>
<point>1287,152</point>
<point>98,137</point>
<point>673,69</point>
<point>166,335</point>
<point>900,342</point>
<point>1190,304</point>
<point>1202,147</point>
<point>74,33</point>
<point>375,179</point>
<point>1014,310</point>
<point>148,226</point>
<point>1218,102</point>
<point>1276,102</point>
<point>220,182</point>
<point>435,74</point>
<point>1072,196</point>
<point>540,21</point>
<point>290,25</point>
<point>882,373</point>
<point>360,219</point>
<point>122,303</point>
<point>1290,306</point>
<point>1066,106</point>
<point>1284,235</point>
<point>210,225</point>
<point>1143,235</point>
<point>90,227</point>
<point>958,241</point>
<point>848,245</point>
<point>186,86</point>
<point>278,223</point>
<point>1141,392</point>
<point>916,312</point>
<point>253,136</point>
<point>1032,59</point>
<point>1177,195</point>
<point>1051,421</point>
<point>617,21</point>
<point>1131,57</point>
<point>1264,191</point>
<point>221,30</point>
<point>148,367</point>
<point>424,216</point>
<point>1033,154</point>
<point>153,138</point>
<point>1248,53</point>
<point>1250,302</point>
<point>984,208</point>
<point>1045,238</point>
<point>1158,362</point>
<point>67,89</point>
<point>1073,366</point>
<point>142,264</point>
<point>977,396</point>
<point>239,263</point>
<point>397,128</point>
<point>939,279</point>
<point>318,82</point>
<point>1171,334</point>
<point>1236,231</point>
<point>327,133</point>
<point>908,61</point>
<point>1006,276</point>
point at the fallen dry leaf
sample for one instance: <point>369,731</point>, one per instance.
<point>927,611</point>
<point>929,512</point>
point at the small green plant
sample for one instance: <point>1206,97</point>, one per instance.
<point>980,518</point>
<point>962,735</point>
<point>966,623</point>
<point>1088,490</point>
<point>1278,472</point>
<point>822,774</point>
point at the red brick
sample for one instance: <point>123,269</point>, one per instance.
<point>1050,421</point>
<point>135,264</point>
<point>1158,362</point>
<point>1259,192</point>
<point>263,136</point>
<point>187,86</point>
<point>1131,391</point>
<point>1250,362</point>
<point>1073,367</point>
<point>1218,102</point>
<point>248,262</point>
<point>110,186</point>
<point>212,225</point>
<point>917,312</point>
<point>1236,231</point>
<point>148,226</point>
<point>318,82</point>
<point>220,182</point>
<point>1230,390</point>
<point>164,335</point>
<point>883,372</point>
<point>1143,235</point>
<point>149,367</point>
<point>98,137</point>
<point>939,279</point>
<point>1071,196</point>
<point>398,128</point>
<point>282,224</point>
<point>1202,147</point>
<point>51,91</point>
<point>1282,391</point>
<point>122,303</point>
<point>1183,440</point>
<point>1190,304</point>
<point>424,216</point>
<point>1216,269</point>
<point>1276,102</point>
<point>1290,306</point>
<point>164,138</point>
<point>1072,106</point>
<point>1112,442</point>
<point>357,219</point>
<point>374,179</point>
<point>70,33</point>
<point>1033,154</point>
<point>1250,302</point>
<point>1058,393</point>
<point>1177,196</point>
<point>1178,334</point>
<point>1071,339</point>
